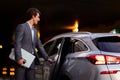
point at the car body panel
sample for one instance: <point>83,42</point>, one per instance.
<point>75,65</point>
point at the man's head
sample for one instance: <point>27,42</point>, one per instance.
<point>33,14</point>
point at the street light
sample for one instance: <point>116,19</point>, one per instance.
<point>75,27</point>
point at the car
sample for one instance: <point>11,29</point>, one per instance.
<point>83,56</point>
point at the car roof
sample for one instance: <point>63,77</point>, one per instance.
<point>97,35</point>
<point>83,34</point>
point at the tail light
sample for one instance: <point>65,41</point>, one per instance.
<point>103,59</point>
<point>109,72</point>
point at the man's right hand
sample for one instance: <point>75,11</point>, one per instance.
<point>21,61</point>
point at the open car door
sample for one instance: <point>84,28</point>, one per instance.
<point>64,48</point>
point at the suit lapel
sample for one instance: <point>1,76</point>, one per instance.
<point>29,31</point>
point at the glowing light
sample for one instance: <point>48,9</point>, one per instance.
<point>4,69</point>
<point>38,34</point>
<point>12,69</point>
<point>75,29</point>
<point>76,24</point>
<point>4,72</point>
<point>12,73</point>
<point>1,46</point>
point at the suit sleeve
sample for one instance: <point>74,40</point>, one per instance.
<point>41,49</point>
<point>18,44</point>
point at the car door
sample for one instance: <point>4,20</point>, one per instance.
<point>52,48</point>
<point>58,55</point>
<point>60,59</point>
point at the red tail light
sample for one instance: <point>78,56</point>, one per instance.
<point>103,59</point>
<point>109,72</point>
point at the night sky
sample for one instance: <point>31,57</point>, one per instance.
<point>56,14</point>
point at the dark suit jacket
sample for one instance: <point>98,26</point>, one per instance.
<point>23,39</point>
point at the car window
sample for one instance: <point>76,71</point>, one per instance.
<point>79,46</point>
<point>48,46</point>
<point>108,44</point>
<point>53,46</point>
<point>56,46</point>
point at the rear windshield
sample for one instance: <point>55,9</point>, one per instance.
<point>108,44</point>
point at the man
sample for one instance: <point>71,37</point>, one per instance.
<point>26,37</point>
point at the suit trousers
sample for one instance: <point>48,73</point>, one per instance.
<point>22,73</point>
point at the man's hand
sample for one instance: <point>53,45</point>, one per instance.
<point>21,61</point>
<point>50,60</point>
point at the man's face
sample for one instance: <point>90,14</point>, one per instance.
<point>36,19</point>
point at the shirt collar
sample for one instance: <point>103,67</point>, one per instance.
<point>30,25</point>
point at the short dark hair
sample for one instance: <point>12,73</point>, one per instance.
<point>32,12</point>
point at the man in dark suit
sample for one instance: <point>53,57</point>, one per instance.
<point>26,37</point>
